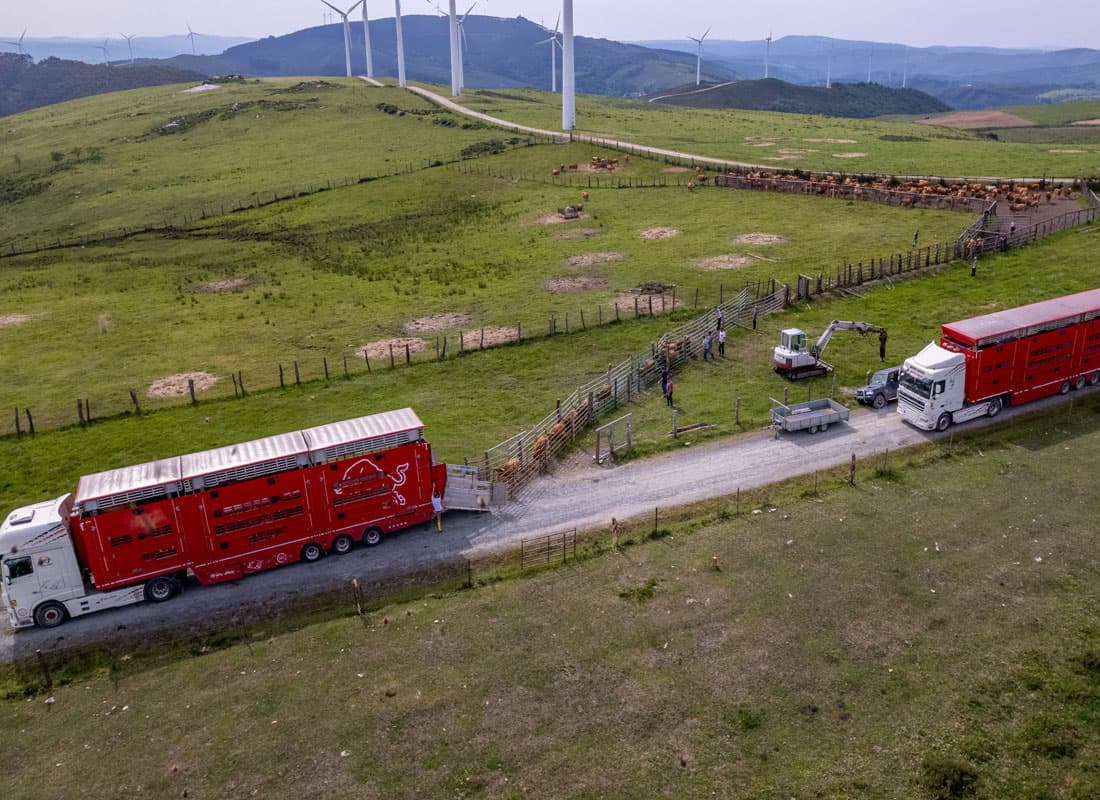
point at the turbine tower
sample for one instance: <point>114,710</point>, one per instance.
<point>103,47</point>
<point>462,47</point>
<point>905,72</point>
<point>366,41</point>
<point>829,67</point>
<point>767,52</point>
<point>870,55</point>
<point>568,74</point>
<point>555,43</point>
<point>347,32</point>
<point>130,43</point>
<point>400,44</point>
<point>453,19</point>
<point>699,55</point>
<point>191,36</point>
<point>19,44</point>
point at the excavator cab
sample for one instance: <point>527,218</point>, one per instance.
<point>792,339</point>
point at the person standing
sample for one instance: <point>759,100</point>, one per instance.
<point>916,238</point>
<point>722,342</point>
<point>664,381</point>
<point>718,317</point>
<point>707,345</point>
<point>668,392</point>
<point>437,509</point>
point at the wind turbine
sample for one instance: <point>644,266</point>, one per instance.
<point>554,45</point>
<point>568,74</point>
<point>870,55</point>
<point>347,32</point>
<point>905,72</point>
<point>453,18</point>
<point>400,44</point>
<point>103,47</point>
<point>829,67</point>
<point>699,55</point>
<point>191,36</point>
<point>19,44</point>
<point>767,52</point>
<point>366,41</point>
<point>462,47</point>
<point>130,43</point>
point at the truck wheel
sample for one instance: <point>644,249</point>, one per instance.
<point>311,552</point>
<point>879,401</point>
<point>1064,388</point>
<point>994,407</point>
<point>1094,378</point>
<point>161,588</point>
<point>824,427</point>
<point>1080,382</point>
<point>811,430</point>
<point>50,614</point>
<point>372,536</point>
<point>342,544</point>
<point>944,422</point>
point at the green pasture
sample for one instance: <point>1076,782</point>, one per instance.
<point>1058,113</point>
<point>324,275</point>
<point>795,141</point>
<point>108,165</point>
<point>926,634</point>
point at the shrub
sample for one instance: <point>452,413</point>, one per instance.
<point>947,778</point>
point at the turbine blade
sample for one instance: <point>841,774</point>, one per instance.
<point>558,23</point>
<point>704,36</point>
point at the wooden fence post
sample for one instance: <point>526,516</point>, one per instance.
<point>408,354</point>
<point>191,390</point>
<point>30,421</point>
<point>80,412</point>
<point>282,384</point>
<point>346,375</point>
<point>234,377</point>
<point>391,355</point>
<point>134,398</point>
<point>297,375</point>
<point>324,362</point>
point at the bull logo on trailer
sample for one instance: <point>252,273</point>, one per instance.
<point>365,467</point>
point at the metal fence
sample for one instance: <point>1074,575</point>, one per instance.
<point>555,548</point>
<point>854,190</point>
<point>525,455</point>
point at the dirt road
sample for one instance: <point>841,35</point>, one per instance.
<point>583,497</point>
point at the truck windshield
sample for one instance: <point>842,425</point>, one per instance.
<point>916,385</point>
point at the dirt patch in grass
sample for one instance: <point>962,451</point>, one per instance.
<point>674,170</point>
<point>578,233</point>
<point>781,158</point>
<point>831,141</point>
<point>661,302</point>
<point>758,239</point>
<point>1086,122</point>
<point>727,261</point>
<point>592,259</point>
<point>576,283</point>
<point>202,87</point>
<point>493,335</point>
<point>849,155</point>
<point>176,385</point>
<point>436,322</point>
<point>967,120</point>
<point>381,349</point>
<point>227,285</point>
<point>660,233</point>
<point>557,219</point>
<point>8,320</point>
<point>761,144</point>
<point>1067,152</point>
<point>796,151</point>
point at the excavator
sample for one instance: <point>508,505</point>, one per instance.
<point>794,361</point>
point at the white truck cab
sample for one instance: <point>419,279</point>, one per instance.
<point>931,390</point>
<point>41,582</point>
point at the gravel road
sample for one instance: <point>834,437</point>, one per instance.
<point>583,497</point>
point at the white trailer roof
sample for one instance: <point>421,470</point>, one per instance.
<point>372,432</point>
<point>139,478</point>
<point>285,447</point>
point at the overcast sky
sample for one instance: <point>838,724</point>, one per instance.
<point>1009,23</point>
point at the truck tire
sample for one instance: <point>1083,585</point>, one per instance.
<point>1080,382</point>
<point>1064,388</point>
<point>944,422</point>
<point>824,427</point>
<point>161,588</point>
<point>342,544</point>
<point>1094,378</point>
<point>312,552</point>
<point>811,430</point>
<point>50,614</point>
<point>372,536</point>
<point>994,407</point>
<point>879,401</point>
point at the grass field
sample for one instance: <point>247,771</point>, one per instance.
<point>788,141</point>
<point>927,633</point>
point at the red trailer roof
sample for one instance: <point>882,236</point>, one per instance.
<point>363,434</point>
<point>1024,320</point>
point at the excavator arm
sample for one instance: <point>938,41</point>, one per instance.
<point>845,325</point>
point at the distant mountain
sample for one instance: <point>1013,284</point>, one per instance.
<point>25,85</point>
<point>144,47</point>
<point>855,100</point>
<point>499,53</point>
<point>941,71</point>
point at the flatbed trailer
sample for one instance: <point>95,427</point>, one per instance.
<point>811,416</point>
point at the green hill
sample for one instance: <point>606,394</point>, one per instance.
<point>853,100</point>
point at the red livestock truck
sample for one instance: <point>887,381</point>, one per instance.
<point>1007,357</point>
<point>135,533</point>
